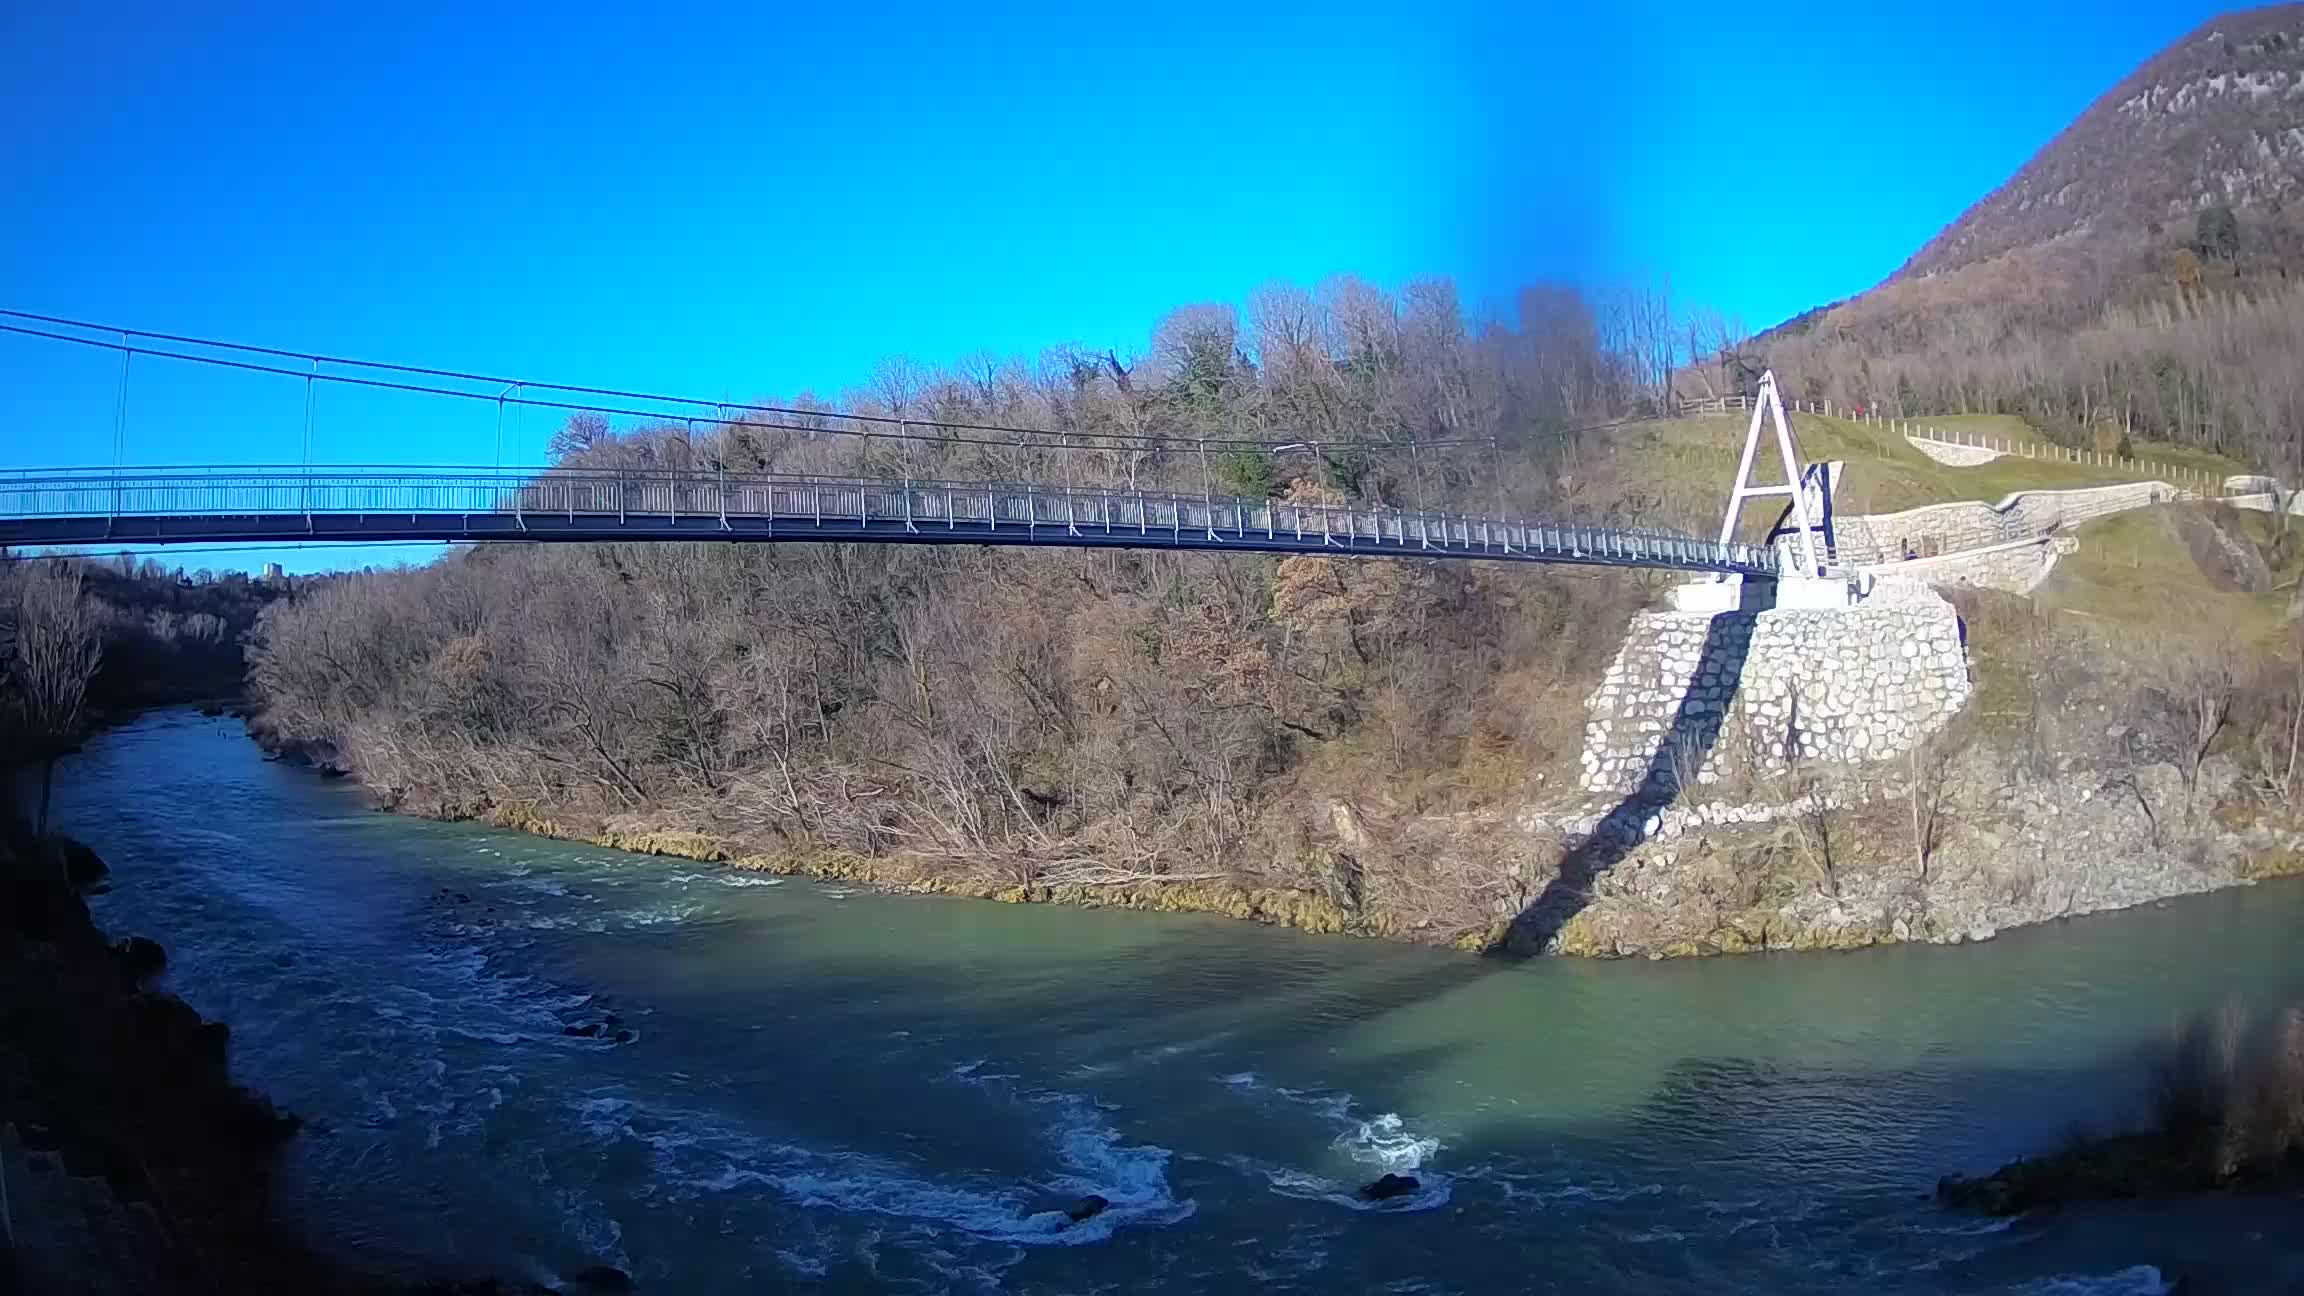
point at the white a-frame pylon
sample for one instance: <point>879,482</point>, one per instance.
<point>1769,406</point>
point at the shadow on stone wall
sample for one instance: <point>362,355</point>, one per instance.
<point>1683,747</point>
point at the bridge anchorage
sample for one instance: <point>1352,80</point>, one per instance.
<point>146,505</point>
<point>1801,537</point>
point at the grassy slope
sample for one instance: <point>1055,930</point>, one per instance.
<point>2007,427</point>
<point>1687,464</point>
<point>2133,572</point>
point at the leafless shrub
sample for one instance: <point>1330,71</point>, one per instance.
<point>1929,795</point>
<point>2190,690</point>
<point>1811,824</point>
<point>2238,1079</point>
<point>57,651</point>
<point>1684,757</point>
<point>56,646</point>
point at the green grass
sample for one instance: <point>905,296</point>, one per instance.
<point>2132,581</point>
<point>1681,469</point>
<point>2006,427</point>
<point>2009,428</point>
<point>1687,464</point>
<point>2133,572</point>
<point>2206,461</point>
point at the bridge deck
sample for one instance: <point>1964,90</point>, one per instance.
<point>149,506</point>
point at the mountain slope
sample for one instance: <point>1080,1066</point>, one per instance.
<point>2141,278</point>
<point>2215,119</point>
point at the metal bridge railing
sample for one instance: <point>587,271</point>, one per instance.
<point>650,497</point>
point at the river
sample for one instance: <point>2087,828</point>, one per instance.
<point>829,1091</point>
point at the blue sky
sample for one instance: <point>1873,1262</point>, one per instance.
<point>679,199</point>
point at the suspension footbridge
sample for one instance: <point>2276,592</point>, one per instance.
<point>579,501</point>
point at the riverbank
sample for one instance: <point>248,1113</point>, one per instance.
<point>900,875</point>
<point>2014,841</point>
<point>130,1160</point>
<point>2034,848</point>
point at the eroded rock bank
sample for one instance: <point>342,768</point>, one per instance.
<point>1843,865</point>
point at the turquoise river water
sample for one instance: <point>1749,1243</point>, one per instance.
<point>830,1091</point>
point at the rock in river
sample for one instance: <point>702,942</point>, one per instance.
<point>1389,1187</point>
<point>140,959</point>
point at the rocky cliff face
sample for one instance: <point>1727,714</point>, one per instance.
<point>2215,119</point>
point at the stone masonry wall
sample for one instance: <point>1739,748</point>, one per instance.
<point>2266,502</point>
<point>1931,529</point>
<point>1693,695</point>
<point>2017,568</point>
<point>1971,524</point>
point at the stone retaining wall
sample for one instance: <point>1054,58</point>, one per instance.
<point>1935,529</point>
<point>1925,531</point>
<point>1694,696</point>
<point>2267,502</point>
<point>2017,567</point>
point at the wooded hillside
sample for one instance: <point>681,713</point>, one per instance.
<point>1041,717</point>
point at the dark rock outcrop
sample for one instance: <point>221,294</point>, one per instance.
<point>1087,1208</point>
<point>1388,1187</point>
<point>2117,1168</point>
<point>82,866</point>
<point>140,960</point>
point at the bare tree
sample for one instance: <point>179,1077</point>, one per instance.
<point>584,432</point>
<point>57,651</point>
<point>2186,704</point>
<point>1928,793</point>
<point>1814,818</point>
